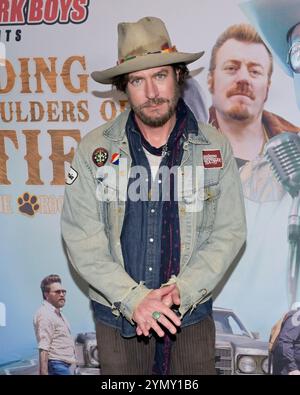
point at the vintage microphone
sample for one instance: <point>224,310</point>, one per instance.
<point>283,154</point>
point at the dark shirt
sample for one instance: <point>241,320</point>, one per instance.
<point>240,162</point>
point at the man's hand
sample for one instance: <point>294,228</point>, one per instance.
<point>172,298</point>
<point>43,356</point>
<point>142,314</point>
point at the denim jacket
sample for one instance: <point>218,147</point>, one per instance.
<point>94,208</point>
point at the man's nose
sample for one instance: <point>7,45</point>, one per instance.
<point>151,89</point>
<point>243,74</point>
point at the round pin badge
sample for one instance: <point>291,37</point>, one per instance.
<point>100,156</point>
<point>115,158</point>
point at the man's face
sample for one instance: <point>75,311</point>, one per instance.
<point>56,295</point>
<point>153,94</point>
<point>240,82</point>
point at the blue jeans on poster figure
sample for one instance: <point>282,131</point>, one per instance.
<point>58,368</point>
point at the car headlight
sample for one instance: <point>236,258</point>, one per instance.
<point>265,365</point>
<point>94,355</point>
<point>247,364</point>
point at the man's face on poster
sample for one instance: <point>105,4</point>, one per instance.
<point>240,82</point>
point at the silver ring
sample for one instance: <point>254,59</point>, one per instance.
<point>156,315</point>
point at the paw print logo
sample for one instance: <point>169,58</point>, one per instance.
<point>28,204</point>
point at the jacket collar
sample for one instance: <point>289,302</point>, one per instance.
<point>116,130</point>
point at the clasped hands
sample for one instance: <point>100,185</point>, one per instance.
<point>146,314</point>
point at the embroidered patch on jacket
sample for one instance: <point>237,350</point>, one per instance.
<point>72,175</point>
<point>115,158</point>
<point>212,159</point>
<point>100,156</point>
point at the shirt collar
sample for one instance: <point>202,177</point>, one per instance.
<point>50,306</point>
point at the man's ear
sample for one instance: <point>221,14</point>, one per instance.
<point>177,74</point>
<point>210,82</point>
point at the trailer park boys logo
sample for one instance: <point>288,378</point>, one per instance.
<point>212,159</point>
<point>33,12</point>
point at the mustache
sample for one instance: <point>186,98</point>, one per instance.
<point>154,102</point>
<point>241,89</point>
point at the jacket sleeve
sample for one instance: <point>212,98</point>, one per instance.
<point>87,245</point>
<point>210,261</point>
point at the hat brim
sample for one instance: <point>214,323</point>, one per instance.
<point>273,20</point>
<point>144,62</point>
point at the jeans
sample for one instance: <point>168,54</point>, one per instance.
<point>58,368</point>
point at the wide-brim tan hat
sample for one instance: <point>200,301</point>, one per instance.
<point>273,19</point>
<point>143,45</point>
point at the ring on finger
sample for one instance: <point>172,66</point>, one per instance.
<point>156,315</point>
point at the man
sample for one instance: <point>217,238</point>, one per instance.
<point>55,342</point>
<point>151,257</point>
<point>239,80</point>
<point>286,350</point>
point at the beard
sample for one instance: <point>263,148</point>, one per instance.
<point>238,113</point>
<point>159,119</point>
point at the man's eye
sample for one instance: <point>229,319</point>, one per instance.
<point>136,82</point>
<point>230,68</point>
<point>160,76</point>
<point>255,72</point>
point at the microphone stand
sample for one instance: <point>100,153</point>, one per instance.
<point>282,152</point>
<point>294,250</point>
